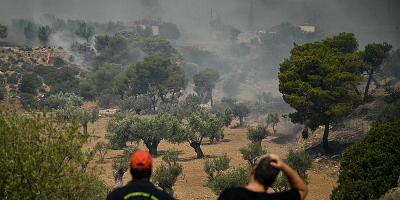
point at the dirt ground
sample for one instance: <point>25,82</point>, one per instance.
<point>190,185</point>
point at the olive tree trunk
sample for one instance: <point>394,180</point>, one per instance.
<point>118,175</point>
<point>152,145</point>
<point>197,148</point>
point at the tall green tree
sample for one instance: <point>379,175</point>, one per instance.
<point>157,77</point>
<point>120,85</point>
<point>42,161</point>
<point>3,31</point>
<point>118,49</point>
<point>30,32</point>
<point>158,46</point>
<point>203,124</point>
<point>84,31</point>
<point>204,82</point>
<point>317,81</point>
<point>44,33</point>
<point>241,110</point>
<point>103,78</point>
<point>170,31</point>
<point>374,55</point>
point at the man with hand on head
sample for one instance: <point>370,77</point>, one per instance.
<point>140,187</point>
<point>262,177</point>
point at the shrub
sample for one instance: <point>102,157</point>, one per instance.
<point>236,178</point>
<point>252,152</point>
<point>29,83</point>
<point>300,162</point>
<point>389,113</point>
<point>12,79</point>
<point>166,175</point>
<point>27,100</point>
<point>370,167</point>
<point>53,168</point>
<point>256,135</point>
<point>215,167</point>
<point>102,148</point>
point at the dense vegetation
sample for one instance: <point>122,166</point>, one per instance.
<point>370,167</point>
<point>42,161</point>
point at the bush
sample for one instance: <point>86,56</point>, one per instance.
<point>256,135</point>
<point>29,84</point>
<point>370,167</point>
<point>27,100</point>
<point>389,113</point>
<point>251,153</point>
<point>12,79</point>
<point>167,173</point>
<point>53,168</point>
<point>300,162</point>
<point>236,178</point>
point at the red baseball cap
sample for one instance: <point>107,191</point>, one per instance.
<point>141,160</point>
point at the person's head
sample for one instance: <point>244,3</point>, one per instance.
<point>264,173</point>
<point>141,164</point>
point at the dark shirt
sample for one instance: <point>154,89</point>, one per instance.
<point>239,193</point>
<point>138,190</point>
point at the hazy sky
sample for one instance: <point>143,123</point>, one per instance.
<point>370,20</point>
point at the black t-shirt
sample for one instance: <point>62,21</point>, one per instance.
<point>241,193</point>
<point>138,190</point>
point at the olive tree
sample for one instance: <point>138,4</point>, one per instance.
<point>273,119</point>
<point>167,173</point>
<point>256,135</point>
<point>90,114</point>
<point>252,152</point>
<point>203,124</point>
<point>121,164</point>
<point>240,110</point>
<point>137,104</point>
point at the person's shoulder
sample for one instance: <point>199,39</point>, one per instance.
<point>232,193</point>
<point>115,193</point>
<point>291,194</point>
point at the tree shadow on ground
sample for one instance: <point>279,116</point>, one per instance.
<point>215,142</point>
<point>237,126</point>
<point>337,149</point>
<point>284,139</point>
<point>195,157</point>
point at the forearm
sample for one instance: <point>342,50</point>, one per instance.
<point>295,181</point>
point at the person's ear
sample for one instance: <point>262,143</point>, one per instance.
<point>253,171</point>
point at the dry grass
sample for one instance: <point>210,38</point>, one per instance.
<point>191,184</point>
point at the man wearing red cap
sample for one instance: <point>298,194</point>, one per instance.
<point>140,187</point>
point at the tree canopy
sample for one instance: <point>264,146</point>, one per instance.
<point>44,33</point>
<point>370,167</point>
<point>3,31</point>
<point>158,46</point>
<point>156,77</point>
<point>204,82</point>
<point>317,81</point>
<point>170,31</point>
